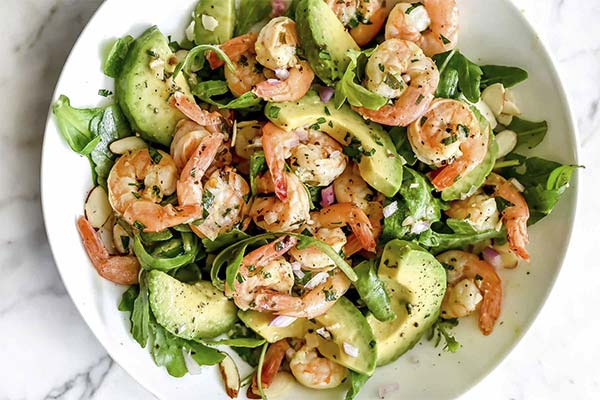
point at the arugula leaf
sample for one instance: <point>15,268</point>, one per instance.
<point>152,237</point>
<point>372,291</point>
<point>140,315</point>
<point>466,76</point>
<point>167,351</point>
<point>224,240</point>
<point>203,355</point>
<point>149,261</point>
<point>74,125</point>
<point>357,381</point>
<point>258,164</point>
<point>116,56</point>
<point>507,76</point>
<point>251,12</point>
<point>529,133</point>
<point>249,343</point>
<point>128,298</point>
<point>349,87</point>
<point>403,147</point>
<point>208,89</point>
<point>440,242</point>
<point>195,59</point>
<point>441,329</point>
<point>544,181</point>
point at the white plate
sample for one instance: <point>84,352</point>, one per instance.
<point>493,31</point>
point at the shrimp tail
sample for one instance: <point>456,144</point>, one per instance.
<point>123,270</point>
<point>193,111</point>
<point>273,360</point>
<point>364,33</point>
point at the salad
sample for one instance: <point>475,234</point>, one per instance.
<point>313,185</point>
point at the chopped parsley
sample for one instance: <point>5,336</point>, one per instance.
<point>330,295</point>
<point>392,82</point>
<point>104,92</point>
<point>444,39</point>
<point>412,8</point>
<point>274,112</point>
<point>154,155</point>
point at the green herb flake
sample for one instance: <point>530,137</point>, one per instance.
<point>412,8</point>
<point>273,112</point>
<point>155,155</point>
<point>104,92</point>
<point>444,39</point>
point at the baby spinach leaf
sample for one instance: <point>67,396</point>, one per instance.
<point>466,76</point>
<point>507,76</point>
<point>74,125</point>
<point>350,89</point>
<point>544,181</point>
<point>251,12</point>
<point>372,291</point>
<point>116,56</point>
<point>357,381</point>
<point>529,133</point>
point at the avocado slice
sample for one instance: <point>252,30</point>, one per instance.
<point>379,165</point>
<point>468,184</point>
<point>223,12</point>
<point>143,95</point>
<point>324,39</point>
<point>189,311</point>
<point>416,284</point>
<point>343,321</point>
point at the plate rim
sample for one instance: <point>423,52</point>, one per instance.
<point>566,103</point>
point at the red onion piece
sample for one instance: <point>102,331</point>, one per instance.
<point>325,93</point>
<point>492,256</point>
<point>351,350</point>
<point>301,134</point>
<point>390,209</point>
<point>316,280</point>
<point>281,321</point>
<point>282,73</point>
<point>273,82</point>
<point>279,7</point>
<point>327,196</point>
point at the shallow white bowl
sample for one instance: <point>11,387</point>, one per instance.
<point>493,31</point>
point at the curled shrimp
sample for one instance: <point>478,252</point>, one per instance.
<point>399,71</point>
<point>479,210</point>
<point>263,268</point>
<point>515,216</point>
<point>123,270</point>
<point>448,136</point>
<point>274,215</point>
<point>374,211</point>
<point>248,138</point>
<point>188,136</point>
<point>440,33</point>
<point>210,120</point>
<point>350,187</point>
<point>364,18</point>
<point>293,88</point>
<point>277,44</point>
<point>246,76</point>
<point>469,266</point>
<point>342,214</point>
<point>314,259</point>
<point>313,370</point>
<point>277,145</point>
<point>233,48</point>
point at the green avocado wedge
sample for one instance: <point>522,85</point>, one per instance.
<point>366,142</point>
<point>214,21</point>
<point>324,39</point>
<point>416,284</point>
<point>143,93</point>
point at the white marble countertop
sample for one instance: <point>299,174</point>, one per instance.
<point>48,352</point>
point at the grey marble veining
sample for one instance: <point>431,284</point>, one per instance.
<point>48,352</point>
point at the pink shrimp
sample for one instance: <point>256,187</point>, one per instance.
<point>291,89</point>
<point>341,214</point>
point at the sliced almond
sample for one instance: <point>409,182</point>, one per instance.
<point>487,113</point>
<point>106,234</point>
<point>121,240</point>
<point>493,96</point>
<point>507,141</point>
<point>97,207</point>
<point>231,376</point>
<point>504,119</point>
<point>125,145</point>
<point>508,258</point>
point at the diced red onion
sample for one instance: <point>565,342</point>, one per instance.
<point>282,73</point>
<point>390,209</point>
<point>420,227</point>
<point>492,256</point>
<point>281,321</point>
<point>325,93</point>
<point>518,185</point>
<point>324,333</point>
<point>327,196</point>
<point>351,350</point>
<point>279,7</point>
<point>316,280</point>
<point>384,390</point>
<point>301,134</point>
<point>191,364</point>
<point>296,269</point>
<point>273,82</point>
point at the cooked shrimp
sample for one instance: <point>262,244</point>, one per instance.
<point>277,145</point>
<point>515,216</point>
<point>364,18</point>
<point>313,303</point>
<point>186,140</point>
<point>374,211</point>
<point>318,160</point>
<point>293,88</point>
<point>461,299</point>
<point>365,32</point>
<point>469,266</point>
<point>479,210</point>
<point>210,120</point>
<point>313,370</point>
<point>311,258</point>
<point>233,48</point>
<point>263,268</point>
<point>399,71</point>
<point>342,214</point>
<point>277,44</point>
<point>274,215</point>
<point>273,360</point>
<point>433,25</point>
<point>247,75</point>
<point>140,176</point>
<point>350,187</point>
<point>448,136</point>
<point>248,138</point>
<point>123,270</point>
<point>224,193</point>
